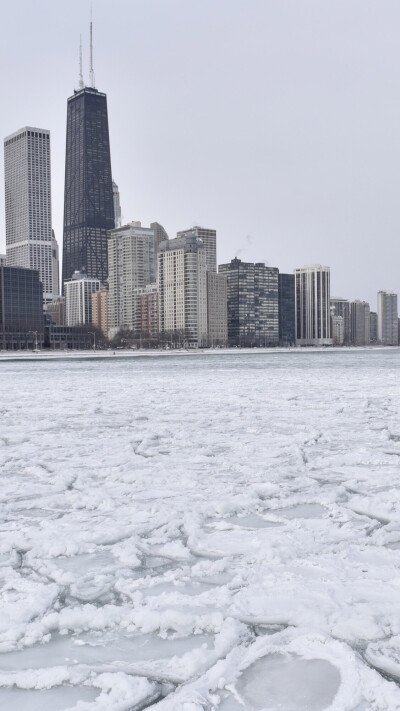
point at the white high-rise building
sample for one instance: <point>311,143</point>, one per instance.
<point>209,239</point>
<point>28,203</point>
<point>182,291</point>
<point>78,299</point>
<point>117,205</point>
<point>312,295</point>
<point>130,266</point>
<point>387,318</point>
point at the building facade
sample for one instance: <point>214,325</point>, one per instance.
<point>253,303</point>
<point>61,337</point>
<point>100,310</point>
<point>117,205</point>
<point>209,239</point>
<point>3,260</point>
<point>160,235</point>
<point>342,308</point>
<point>78,299</point>
<point>56,311</point>
<point>287,306</point>
<point>337,330</point>
<point>373,322</point>
<point>182,291</point>
<point>88,197</point>
<point>21,308</point>
<point>55,266</point>
<point>145,309</point>
<point>28,203</point>
<point>387,318</point>
<point>360,323</point>
<point>313,317</point>
<point>131,266</point>
<point>217,309</point>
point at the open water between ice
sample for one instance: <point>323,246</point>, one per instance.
<point>201,532</point>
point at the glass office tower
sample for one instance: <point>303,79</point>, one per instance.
<point>88,197</point>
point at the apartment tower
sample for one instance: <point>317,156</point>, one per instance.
<point>131,266</point>
<point>253,308</point>
<point>209,239</point>
<point>387,318</point>
<point>312,293</point>
<point>182,290</point>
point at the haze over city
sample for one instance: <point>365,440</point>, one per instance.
<point>275,123</point>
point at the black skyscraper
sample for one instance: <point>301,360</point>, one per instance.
<point>88,199</point>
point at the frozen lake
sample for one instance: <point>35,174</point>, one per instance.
<point>201,532</point>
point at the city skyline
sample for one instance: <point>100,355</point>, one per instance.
<point>323,189</point>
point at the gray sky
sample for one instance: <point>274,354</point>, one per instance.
<point>275,121</point>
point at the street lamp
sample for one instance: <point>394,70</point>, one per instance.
<point>93,333</point>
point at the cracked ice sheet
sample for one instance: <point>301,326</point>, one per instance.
<point>164,519</point>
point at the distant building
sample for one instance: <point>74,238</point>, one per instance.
<point>342,308</point>
<point>182,290</point>
<point>387,318</point>
<point>3,260</point>
<point>313,318</point>
<point>56,311</point>
<point>145,309</point>
<point>55,265</point>
<point>253,304</point>
<point>21,308</point>
<point>61,337</point>
<point>360,323</point>
<point>28,203</point>
<point>337,330</point>
<point>88,195</point>
<point>160,235</point>
<point>217,309</point>
<point>117,205</point>
<point>131,266</point>
<point>287,307</point>
<point>373,321</point>
<point>209,239</point>
<point>78,299</point>
<point>100,310</point>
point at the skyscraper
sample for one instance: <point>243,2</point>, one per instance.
<point>313,318</point>
<point>341,307</point>
<point>253,309</point>
<point>387,318</point>
<point>78,299</point>
<point>117,205</point>
<point>182,289</point>
<point>360,323</point>
<point>28,203</point>
<point>88,196</point>
<point>131,266</point>
<point>209,239</point>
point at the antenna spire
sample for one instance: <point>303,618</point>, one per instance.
<point>81,84</point>
<point>91,71</point>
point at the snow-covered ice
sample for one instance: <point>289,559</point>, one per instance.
<point>201,532</point>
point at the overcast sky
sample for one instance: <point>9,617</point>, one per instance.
<point>275,121</point>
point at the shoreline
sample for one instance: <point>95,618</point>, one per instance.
<point>150,353</point>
